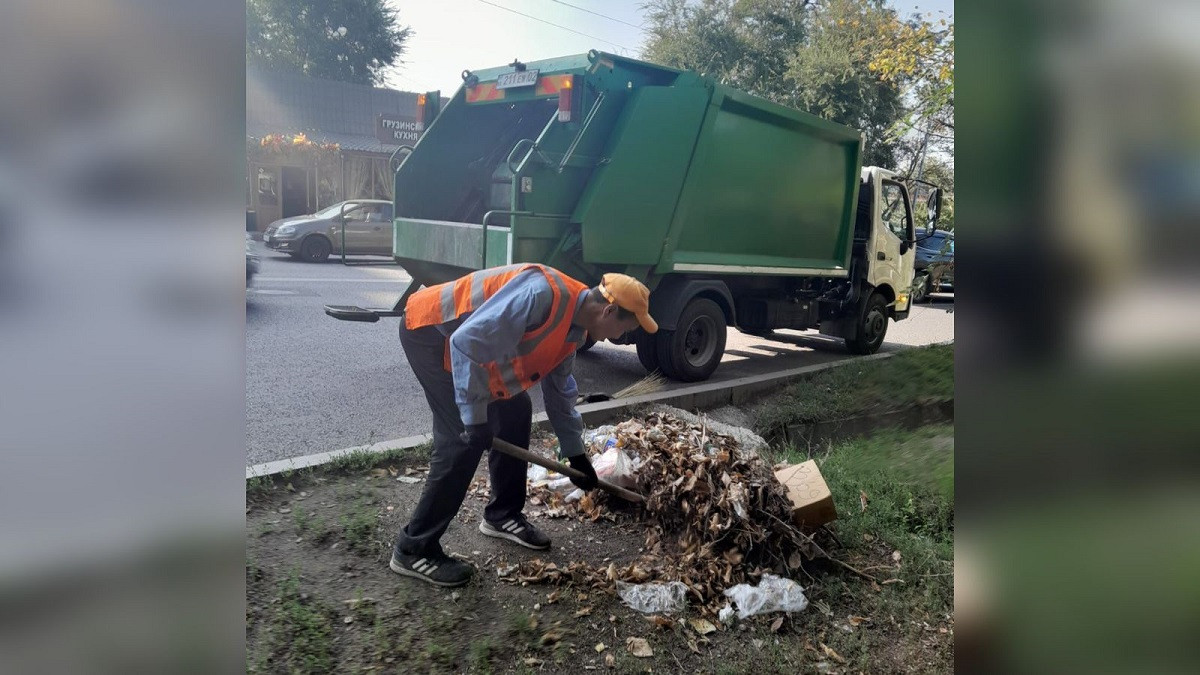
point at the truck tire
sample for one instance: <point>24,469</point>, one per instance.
<point>315,248</point>
<point>692,352</point>
<point>647,351</point>
<point>920,291</point>
<point>872,326</point>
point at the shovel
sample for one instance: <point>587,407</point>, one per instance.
<point>525,455</point>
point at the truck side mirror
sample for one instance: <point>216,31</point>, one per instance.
<point>933,209</point>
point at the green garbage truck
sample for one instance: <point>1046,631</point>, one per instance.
<point>735,211</point>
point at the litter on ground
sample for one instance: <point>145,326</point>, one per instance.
<point>715,516</point>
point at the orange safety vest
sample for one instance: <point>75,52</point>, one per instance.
<point>539,351</point>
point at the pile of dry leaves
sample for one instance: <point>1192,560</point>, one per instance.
<point>714,516</point>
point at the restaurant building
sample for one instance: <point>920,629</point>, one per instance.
<point>312,143</point>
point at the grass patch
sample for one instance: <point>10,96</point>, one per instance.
<point>259,486</point>
<point>303,519</point>
<point>353,462</point>
<point>479,656</point>
<point>907,480</point>
<point>299,635</point>
<point>912,376</point>
<point>360,460</point>
<point>311,524</point>
<point>521,624</point>
<point>360,527</point>
<point>923,457</point>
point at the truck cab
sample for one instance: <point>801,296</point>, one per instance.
<point>886,220</point>
<point>890,247</point>
<point>882,260</point>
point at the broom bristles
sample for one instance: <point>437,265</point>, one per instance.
<point>647,385</point>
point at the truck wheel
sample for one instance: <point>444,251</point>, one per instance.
<point>585,345</point>
<point>315,249</point>
<point>692,351</point>
<point>920,289</point>
<point>647,351</point>
<point>872,326</point>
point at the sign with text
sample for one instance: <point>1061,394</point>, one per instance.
<point>397,130</point>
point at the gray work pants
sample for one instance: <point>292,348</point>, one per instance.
<point>453,465</point>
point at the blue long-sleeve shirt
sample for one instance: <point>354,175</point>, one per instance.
<point>492,332</point>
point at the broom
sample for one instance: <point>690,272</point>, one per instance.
<point>647,385</point>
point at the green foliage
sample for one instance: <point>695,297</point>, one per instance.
<point>301,630</point>
<point>302,36</point>
<point>482,650</point>
<point>800,54</point>
<point>360,525</point>
<point>920,55</point>
<point>355,461</point>
<point>257,486</point>
<point>743,43</point>
<point>520,624</point>
<point>303,519</point>
<point>833,79</point>
<point>908,480</point>
<point>924,458</point>
<point>360,460</point>
<point>912,376</point>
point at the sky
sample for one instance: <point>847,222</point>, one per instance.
<point>455,35</point>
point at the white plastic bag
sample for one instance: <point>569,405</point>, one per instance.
<point>726,614</point>
<point>654,598</point>
<point>772,594</point>
<point>615,467</point>
<point>537,475</point>
<point>560,484</point>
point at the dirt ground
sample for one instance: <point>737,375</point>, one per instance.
<point>320,598</point>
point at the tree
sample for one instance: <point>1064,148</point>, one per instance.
<point>814,57</point>
<point>307,37</point>
<point>833,77</point>
<point>920,56</point>
<point>742,43</point>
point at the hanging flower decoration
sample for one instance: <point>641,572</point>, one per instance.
<point>292,144</point>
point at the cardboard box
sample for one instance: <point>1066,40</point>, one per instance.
<point>812,502</point>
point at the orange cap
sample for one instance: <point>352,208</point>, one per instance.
<point>630,294</point>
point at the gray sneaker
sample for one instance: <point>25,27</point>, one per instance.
<point>439,570</point>
<point>519,530</point>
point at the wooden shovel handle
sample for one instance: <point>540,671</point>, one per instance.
<point>523,454</point>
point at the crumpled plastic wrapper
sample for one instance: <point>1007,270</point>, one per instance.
<point>773,594</point>
<point>654,598</point>
<point>726,614</point>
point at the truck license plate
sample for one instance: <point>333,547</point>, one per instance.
<point>520,78</point>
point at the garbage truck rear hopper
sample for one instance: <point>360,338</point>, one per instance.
<point>734,210</point>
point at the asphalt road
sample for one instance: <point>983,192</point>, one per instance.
<point>315,384</point>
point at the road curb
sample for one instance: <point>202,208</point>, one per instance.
<point>700,396</point>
